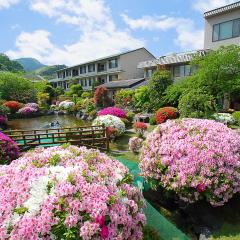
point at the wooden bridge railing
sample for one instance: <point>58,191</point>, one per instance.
<point>89,136</point>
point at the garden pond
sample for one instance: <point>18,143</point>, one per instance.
<point>45,122</point>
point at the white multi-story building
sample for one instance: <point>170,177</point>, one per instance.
<point>121,66</point>
<point>222,26</point>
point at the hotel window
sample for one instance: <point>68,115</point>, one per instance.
<point>75,72</point>
<point>182,71</point>
<point>90,82</point>
<point>113,78</point>
<point>226,30</point>
<point>149,73</point>
<point>82,69</point>
<point>91,68</point>
<point>101,67</point>
<point>113,63</point>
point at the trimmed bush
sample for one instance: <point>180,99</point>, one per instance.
<point>110,121</point>
<point>4,110</point>
<point>114,111</point>
<point>236,116</point>
<point>69,193</point>
<point>14,106</point>
<point>8,150</point>
<point>25,111</point>
<point>135,144</point>
<point>197,159</point>
<point>163,114</point>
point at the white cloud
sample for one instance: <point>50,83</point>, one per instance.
<point>92,19</point>
<point>206,5</point>
<point>187,35</point>
<point>7,3</point>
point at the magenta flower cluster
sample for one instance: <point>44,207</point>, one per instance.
<point>198,159</point>
<point>8,149</point>
<point>3,120</point>
<point>69,193</point>
<point>114,111</point>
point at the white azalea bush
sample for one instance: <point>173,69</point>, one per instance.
<point>69,193</point>
<point>110,121</point>
<point>225,118</point>
<point>66,105</point>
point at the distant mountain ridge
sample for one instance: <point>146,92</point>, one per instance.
<point>30,64</point>
<point>9,65</point>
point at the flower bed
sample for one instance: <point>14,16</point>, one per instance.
<point>8,151</point>
<point>14,106</point>
<point>27,111</point>
<point>135,144</point>
<point>114,111</point>
<point>197,159</point>
<point>163,114</point>
<point>69,193</point>
<point>110,121</point>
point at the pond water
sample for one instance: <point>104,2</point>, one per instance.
<point>44,122</point>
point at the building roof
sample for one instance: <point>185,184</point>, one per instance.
<point>172,59</point>
<point>130,83</point>
<point>107,57</point>
<point>223,9</point>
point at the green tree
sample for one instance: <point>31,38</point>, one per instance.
<point>16,88</point>
<point>141,98</point>
<point>124,97</point>
<point>75,89</point>
<point>8,65</point>
<point>219,72</point>
<point>157,86</point>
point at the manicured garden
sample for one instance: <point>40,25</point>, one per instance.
<point>188,155</point>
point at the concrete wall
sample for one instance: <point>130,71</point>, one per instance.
<point>210,21</point>
<point>128,63</point>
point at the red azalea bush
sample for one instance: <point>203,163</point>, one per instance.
<point>14,106</point>
<point>101,98</point>
<point>114,111</point>
<point>163,114</point>
<point>140,128</point>
<point>112,133</point>
<point>8,149</point>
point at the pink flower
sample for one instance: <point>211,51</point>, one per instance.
<point>104,232</point>
<point>201,187</point>
<point>100,220</point>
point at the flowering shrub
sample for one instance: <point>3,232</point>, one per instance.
<point>112,133</point>
<point>3,120</point>
<point>114,111</point>
<point>32,105</point>
<point>13,106</point>
<point>101,98</point>
<point>69,193</point>
<point>195,158</point>
<point>140,128</point>
<point>66,105</point>
<point>27,111</point>
<point>166,113</point>
<point>225,118</point>
<point>8,152</point>
<point>135,144</point>
<point>110,121</point>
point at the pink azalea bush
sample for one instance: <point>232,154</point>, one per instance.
<point>198,159</point>
<point>32,105</point>
<point>27,111</point>
<point>135,144</point>
<point>114,111</point>
<point>69,193</point>
<point>8,150</point>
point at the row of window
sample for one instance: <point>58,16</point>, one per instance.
<point>101,67</point>
<point>88,82</point>
<point>183,70</point>
<point>226,30</point>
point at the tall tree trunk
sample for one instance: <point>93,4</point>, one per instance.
<point>226,102</point>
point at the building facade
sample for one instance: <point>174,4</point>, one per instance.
<point>222,26</point>
<point>117,67</point>
<point>177,63</point>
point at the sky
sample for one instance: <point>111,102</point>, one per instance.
<point>74,31</point>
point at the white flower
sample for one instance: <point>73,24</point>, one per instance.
<point>225,118</point>
<point>66,104</point>
<point>110,121</point>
